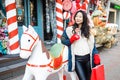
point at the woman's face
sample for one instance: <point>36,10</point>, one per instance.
<point>79,18</point>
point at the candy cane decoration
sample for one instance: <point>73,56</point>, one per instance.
<point>59,19</point>
<point>66,15</point>
<point>12,26</point>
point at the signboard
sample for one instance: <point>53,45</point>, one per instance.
<point>116,7</point>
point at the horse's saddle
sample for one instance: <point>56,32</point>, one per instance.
<point>56,54</point>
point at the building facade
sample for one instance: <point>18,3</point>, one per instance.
<point>114,12</point>
<point>41,14</point>
<point>31,12</point>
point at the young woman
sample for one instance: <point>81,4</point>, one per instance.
<point>81,45</point>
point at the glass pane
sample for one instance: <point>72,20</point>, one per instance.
<point>33,12</point>
<point>20,12</point>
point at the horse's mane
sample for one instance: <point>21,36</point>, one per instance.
<point>44,49</point>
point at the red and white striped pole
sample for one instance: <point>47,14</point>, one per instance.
<point>59,19</point>
<point>12,26</point>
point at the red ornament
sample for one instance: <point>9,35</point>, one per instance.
<point>64,77</point>
<point>77,1</point>
<point>84,6</point>
<point>67,4</point>
<point>77,6</point>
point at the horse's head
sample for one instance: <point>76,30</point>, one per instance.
<point>28,41</point>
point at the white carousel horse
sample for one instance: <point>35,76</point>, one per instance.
<point>40,63</point>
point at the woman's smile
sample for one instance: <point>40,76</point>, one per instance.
<point>79,18</point>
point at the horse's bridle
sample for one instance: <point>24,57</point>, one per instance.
<point>32,65</point>
<point>34,39</point>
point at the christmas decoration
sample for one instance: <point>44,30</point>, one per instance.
<point>12,26</point>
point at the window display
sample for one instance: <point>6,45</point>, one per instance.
<point>3,36</point>
<point>3,29</point>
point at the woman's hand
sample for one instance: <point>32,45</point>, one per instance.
<point>77,30</point>
<point>96,59</point>
<point>74,38</point>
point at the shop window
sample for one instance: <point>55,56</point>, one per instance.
<point>31,12</point>
<point>111,17</point>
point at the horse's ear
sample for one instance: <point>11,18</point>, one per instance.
<point>30,27</point>
<point>24,28</point>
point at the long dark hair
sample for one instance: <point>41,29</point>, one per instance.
<point>85,28</point>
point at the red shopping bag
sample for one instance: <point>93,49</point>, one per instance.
<point>98,73</point>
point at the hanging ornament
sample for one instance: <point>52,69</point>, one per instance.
<point>66,15</point>
<point>67,4</point>
<point>73,9</point>
<point>47,17</point>
<point>51,15</point>
<point>53,21</point>
<point>54,38</point>
<point>77,1</point>
<point>78,4</point>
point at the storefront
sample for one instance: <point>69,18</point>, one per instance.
<point>38,13</point>
<point>114,12</point>
<point>30,12</point>
<point>42,16</point>
<point>34,12</point>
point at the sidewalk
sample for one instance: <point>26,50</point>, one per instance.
<point>109,57</point>
<point>111,60</point>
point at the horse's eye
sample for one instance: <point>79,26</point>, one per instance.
<point>28,40</point>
